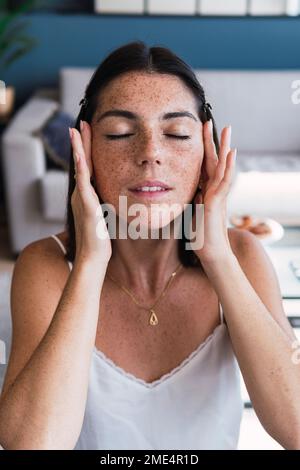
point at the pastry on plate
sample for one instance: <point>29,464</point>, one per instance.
<point>252,224</point>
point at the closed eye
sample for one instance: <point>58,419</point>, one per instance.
<point>117,136</point>
<point>178,136</point>
<point>122,136</point>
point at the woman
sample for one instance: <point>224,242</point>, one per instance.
<point>132,349</point>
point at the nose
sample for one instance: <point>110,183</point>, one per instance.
<point>149,152</point>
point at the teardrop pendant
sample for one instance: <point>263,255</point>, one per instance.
<point>153,318</point>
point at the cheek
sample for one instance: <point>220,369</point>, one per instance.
<point>188,155</point>
<point>109,168</point>
<point>189,170</point>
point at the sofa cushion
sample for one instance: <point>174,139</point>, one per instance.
<point>55,137</point>
<point>72,85</point>
<point>268,162</point>
<point>54,192</point>
<point>29,117</point>
<point>267,185</point>
<point>258,104</point>
<point>5,323</point>
<point>274,195</point>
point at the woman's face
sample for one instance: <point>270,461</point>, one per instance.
<point>150,148</point>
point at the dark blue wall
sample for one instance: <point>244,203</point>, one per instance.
<point>218,43</point>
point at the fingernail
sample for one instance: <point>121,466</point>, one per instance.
<point>81,125</point>
<point>70,132</point>
<point>210,125</point>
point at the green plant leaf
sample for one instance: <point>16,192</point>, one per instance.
<point>7,39</point>
<point>16,54</point>
<point>14,43</point>
<point>8,17</point>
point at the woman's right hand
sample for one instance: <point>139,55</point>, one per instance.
<point>92,237</point>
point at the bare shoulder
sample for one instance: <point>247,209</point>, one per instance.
<point>39,275</point>
<point>39,271</point>
<point>238,238</point>
<point>46,245</point>
<point>259,270</point>
<point>38,279</point>
<point>253,259</point>
<point>44,253</point>
<point>249,250</point>
<point>40,263</point>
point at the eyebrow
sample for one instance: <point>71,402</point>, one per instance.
<point>130,115</point>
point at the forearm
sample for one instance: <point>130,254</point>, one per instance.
<point>44,407</point>
<point>263,349</point>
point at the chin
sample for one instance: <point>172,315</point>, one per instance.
<point>150,220</point>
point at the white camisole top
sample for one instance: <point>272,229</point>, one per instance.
<point>198,405</point>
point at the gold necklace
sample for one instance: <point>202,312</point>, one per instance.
<point>153,320</point>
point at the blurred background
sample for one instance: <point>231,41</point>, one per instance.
<point>247,56</point>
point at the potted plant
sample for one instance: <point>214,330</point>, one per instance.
<point>14,43</point>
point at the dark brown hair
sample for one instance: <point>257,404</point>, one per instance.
<point>136,56</point>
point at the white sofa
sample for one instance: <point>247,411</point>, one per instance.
<point>5,323</point>
<point>265,129</point>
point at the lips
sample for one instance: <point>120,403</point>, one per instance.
<point>150,184</point>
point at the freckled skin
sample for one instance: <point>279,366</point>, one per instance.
<point>144,266</point>
<point>148,153</point>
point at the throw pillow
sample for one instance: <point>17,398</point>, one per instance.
<point>55,137</point>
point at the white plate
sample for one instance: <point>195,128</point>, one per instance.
<point>276,234</point>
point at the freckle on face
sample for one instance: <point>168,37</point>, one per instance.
<point>148,153</point>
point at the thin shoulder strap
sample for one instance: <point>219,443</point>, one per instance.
<point>221,313</point>
<point>63,249</point>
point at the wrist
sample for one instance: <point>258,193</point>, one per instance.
<point>93,263</point>
<point>221,262</point>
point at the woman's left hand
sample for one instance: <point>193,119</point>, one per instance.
<point>215,181</point>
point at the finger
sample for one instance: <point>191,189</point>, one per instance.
<point>73,152</point>
<point>78,144</point>
<point>229,170</point>
<point>81,169</point>
<point>82,175</point>
<point>211,157</point>
<point>225,142</point>
<point>223,153</point>
<point>86,136</point>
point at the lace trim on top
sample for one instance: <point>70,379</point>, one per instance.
<point>164,378</point>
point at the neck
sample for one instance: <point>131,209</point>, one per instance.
<point>144,265</point>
